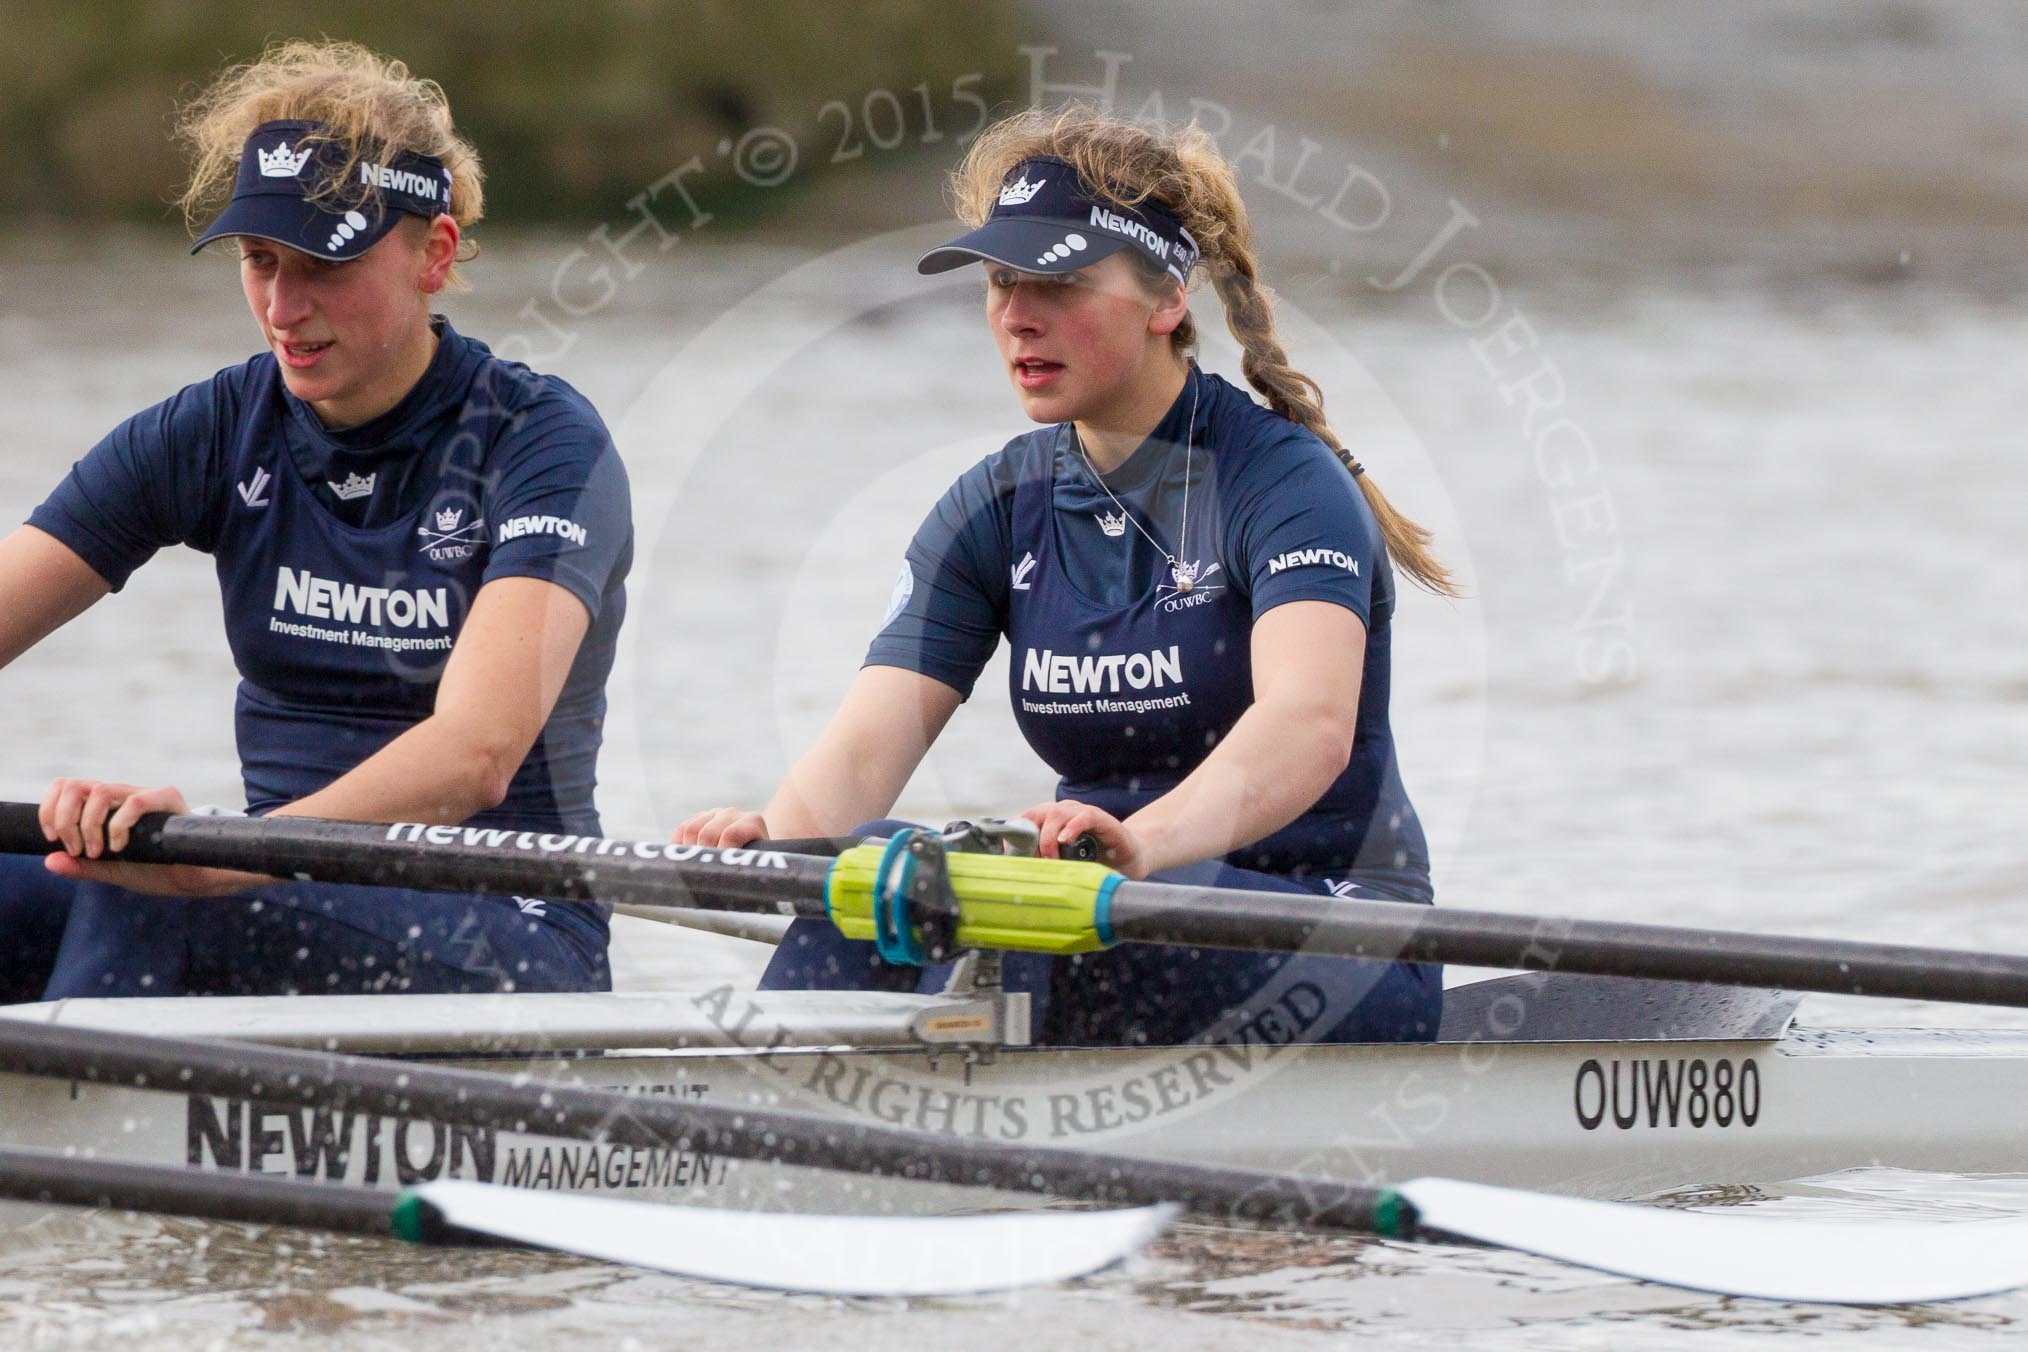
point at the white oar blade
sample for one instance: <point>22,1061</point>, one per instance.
<point>1841,1263</point>
<point>830,1255</point>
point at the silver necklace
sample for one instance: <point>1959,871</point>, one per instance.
<point>1184,574</point>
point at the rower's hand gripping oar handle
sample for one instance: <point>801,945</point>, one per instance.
<point>21,833</point>
<point>1017,836</point>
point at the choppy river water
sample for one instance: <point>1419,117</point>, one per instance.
<point>1761,661</point>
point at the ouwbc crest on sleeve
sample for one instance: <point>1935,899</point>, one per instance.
<point>904,588</point>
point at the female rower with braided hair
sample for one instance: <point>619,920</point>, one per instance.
<point>1198,591</point>
<point>421,549</point>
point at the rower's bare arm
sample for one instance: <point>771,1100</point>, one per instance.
<point>503,678</point>
<point>855,769</point>
<point>46,586</point>
<point>1285,750</point>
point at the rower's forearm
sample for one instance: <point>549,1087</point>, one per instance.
<point>432,773</point>
<point>794,810</point>
<point>860,763</point>
<point>833,788</point>
<point>1270,769</point>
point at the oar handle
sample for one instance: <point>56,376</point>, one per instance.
<point>466,859</point>
<point>21,833</point>
<point>21,830</point>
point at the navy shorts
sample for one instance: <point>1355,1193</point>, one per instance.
<point>1161,994</point>
<point>62,939</point>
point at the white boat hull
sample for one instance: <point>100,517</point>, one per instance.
<point>1603,1119</point>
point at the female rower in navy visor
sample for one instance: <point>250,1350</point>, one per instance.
<point>1198,593</point>
<point>421,548</point>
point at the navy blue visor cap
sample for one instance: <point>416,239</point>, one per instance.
<point>1047,220</point>
<point>286,192</point>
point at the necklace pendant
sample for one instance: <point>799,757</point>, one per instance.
<point>1184,584</point>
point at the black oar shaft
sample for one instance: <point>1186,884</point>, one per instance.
<point>469,859</point>
<point>483,1100</point>
<point>466,859</point>
<point>1216,917</point>
<point>63,1180</point>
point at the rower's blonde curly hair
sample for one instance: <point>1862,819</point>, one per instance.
<point>1131,163</point>
<point>373,106</point>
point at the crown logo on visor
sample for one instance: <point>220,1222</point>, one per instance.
<point>1113,525</point>
<point>1016,194</point>
<point>279,163</point>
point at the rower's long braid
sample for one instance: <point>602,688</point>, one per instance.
<point>1250,314</point>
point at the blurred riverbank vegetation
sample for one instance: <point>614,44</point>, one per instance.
<point>575,108</point>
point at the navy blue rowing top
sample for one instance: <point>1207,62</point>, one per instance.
<point>349,558</point>
<point>1122,680</point>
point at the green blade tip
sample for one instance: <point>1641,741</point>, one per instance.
<point>1394,1216</point>
<point>408,1219</point>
